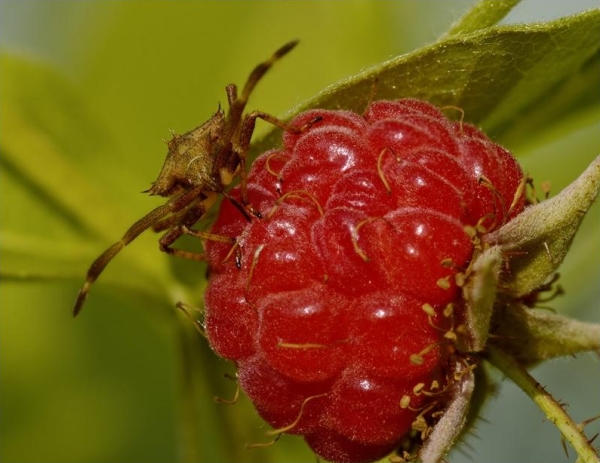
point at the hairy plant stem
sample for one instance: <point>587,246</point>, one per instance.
<point>549,406</point>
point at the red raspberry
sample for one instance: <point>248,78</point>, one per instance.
<point>332,303</point>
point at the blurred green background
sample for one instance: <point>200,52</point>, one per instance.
<point>109,386</point>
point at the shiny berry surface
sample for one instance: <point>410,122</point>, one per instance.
<point>336,300</point>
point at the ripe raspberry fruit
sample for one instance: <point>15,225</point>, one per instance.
<point>336,300</point>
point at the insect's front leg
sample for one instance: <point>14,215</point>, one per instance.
<point>173,206</point>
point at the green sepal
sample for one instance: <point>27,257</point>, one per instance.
<point>533,335</point>
<point>452,423</point>
<point>479,293</point>
<point>536,241</point>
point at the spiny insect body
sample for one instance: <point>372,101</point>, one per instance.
<point>198,167</point>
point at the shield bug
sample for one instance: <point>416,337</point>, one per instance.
<point>200,164</point>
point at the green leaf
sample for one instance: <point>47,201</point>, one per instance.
<point>570,104</point>
<point>49,127</point>
<point>37,258</point>
<point>496,75</point>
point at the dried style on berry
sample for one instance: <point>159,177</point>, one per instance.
<point>199,166</point>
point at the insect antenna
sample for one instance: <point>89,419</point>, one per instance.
<point>237,104</point>
<point>260,70</point>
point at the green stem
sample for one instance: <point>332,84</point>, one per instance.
<point>549,406</point>
<point>483,15</point>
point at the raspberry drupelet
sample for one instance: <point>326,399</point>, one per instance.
<point>339,301</point>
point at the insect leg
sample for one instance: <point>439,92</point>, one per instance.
<point>172,206</point>
<point>186,219</point>
<point>207,236</point>
<point>174,234</point>
<point>179,217</point>
<point>190,216</point>
<point>169,221</point>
